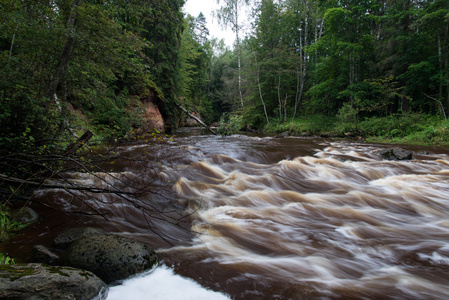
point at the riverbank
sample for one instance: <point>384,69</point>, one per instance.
<point>411,129</point>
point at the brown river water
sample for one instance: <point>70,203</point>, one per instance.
<point>272,218</point>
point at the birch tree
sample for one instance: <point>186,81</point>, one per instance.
<point>229,15</point>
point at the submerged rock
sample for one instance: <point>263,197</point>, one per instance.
<point>396,154</point>
<point>25,215</point>
<point>64,240</point>
<point>41,254</point>
<point>36,281</point>
<point>110,257</point>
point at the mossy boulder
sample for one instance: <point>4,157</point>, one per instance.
<point>36,281</point>
<point>110,257</point>
<point>63,240</point>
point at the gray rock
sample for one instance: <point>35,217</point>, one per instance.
<point>36,282</point>
<point>63,240</point>
<point>41,254</point>
<point>25,215</point>
<point>110,257</point>
<point>396,154</point>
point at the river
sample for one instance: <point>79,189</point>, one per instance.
<point>250,217</point>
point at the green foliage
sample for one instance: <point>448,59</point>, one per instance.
<point>308,125</point>
<point>99,64</point>
<point>347,115</point>
<point>408,127</point>
<point>7,225</point>
<point>230,124</point>
<point>6,260</point>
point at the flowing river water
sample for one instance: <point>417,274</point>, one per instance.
<point>272,218</point>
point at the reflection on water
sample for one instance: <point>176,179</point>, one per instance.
<point>292,218</point>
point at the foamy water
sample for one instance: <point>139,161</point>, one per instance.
<point>162,284</point>
<point>282,219</point>
<point>341,222</point>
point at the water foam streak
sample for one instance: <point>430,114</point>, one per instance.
<point>341,222</point>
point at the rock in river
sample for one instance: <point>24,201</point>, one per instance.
<point>110,257</point>
<point>25,215</point>
<point>64,240</point>
<point>396,154</point>
<point>36,281</point>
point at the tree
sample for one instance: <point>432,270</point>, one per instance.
<point>434,23</point>
<point>229,15</point>
<point>201,30</point>
<point>163,27</point>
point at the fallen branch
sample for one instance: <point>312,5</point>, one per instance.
<point>80,142</point>
<point>62,186</point>
<point>179,106</point>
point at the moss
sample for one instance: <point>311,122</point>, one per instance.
<point>14,273</point>
<point>58,270</point>
<point>86,274</point>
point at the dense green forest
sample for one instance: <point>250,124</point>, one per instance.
<point>345,66</point>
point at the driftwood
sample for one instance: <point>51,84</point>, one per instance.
<point>179,106</point>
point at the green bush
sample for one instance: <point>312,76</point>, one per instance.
<point>230,124</point>
<point>315,124</point>
<point>112,121</point>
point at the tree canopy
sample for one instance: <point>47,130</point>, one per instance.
<point>300,58</point>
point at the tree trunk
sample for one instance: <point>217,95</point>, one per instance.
<point>239,64</point>
<point>446,62</point>
<point>303,68</point>
<point>285,108</point>
<point>260,90</point>
<point>12,45</point>
<point>279,98</point>
<point>66,53</point>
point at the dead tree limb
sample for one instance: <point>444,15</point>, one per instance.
<point>62,186</point>
<point>179,106</point>
<point>80,142</point>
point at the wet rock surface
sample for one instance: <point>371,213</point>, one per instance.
<point>110,257</point>
<point>36,281</point>
<point>396,154</point>
<point>64,240</point>
<point>25,215</point>
<point>41,254</point>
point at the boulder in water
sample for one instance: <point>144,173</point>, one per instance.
<point>396,154</point>
<point>64,240</point>
<point>36,281</point>
<point>25,215</point>
<point>41,254</point>
<point>110,257</point>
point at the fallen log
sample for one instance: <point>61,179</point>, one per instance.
<point>179,106</point>
<point>80,142</point>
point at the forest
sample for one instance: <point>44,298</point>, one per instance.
<point>374,69</point>
<point>349,63</point>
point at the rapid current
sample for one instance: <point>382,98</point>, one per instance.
<point>272,218</point>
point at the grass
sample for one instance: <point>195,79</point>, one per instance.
<point>417,129</point>
<point>312,125</point>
